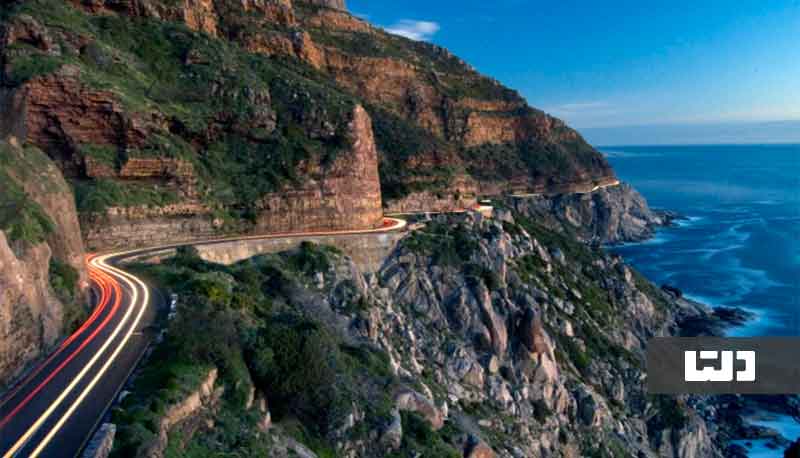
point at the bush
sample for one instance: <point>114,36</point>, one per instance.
<point>446,244</point>
<point>64,281</point>
<point>420,440</point>
<point>307,390</point>
<point>95,196</point>
<point>21,218</point>
<point>311,258</point>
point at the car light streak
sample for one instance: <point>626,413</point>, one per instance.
<point>63,364</point>
<point>145,301</point>
<point>57,402</point>
<point>101,282</point>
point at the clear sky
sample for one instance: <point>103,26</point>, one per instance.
<point>603,64</point>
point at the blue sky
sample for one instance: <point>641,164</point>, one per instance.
<point>620,63</point>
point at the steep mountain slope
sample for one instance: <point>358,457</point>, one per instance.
<point>42,272</point>
<point>179,119</point>
<point>477,338</point>
<point>169,134</point>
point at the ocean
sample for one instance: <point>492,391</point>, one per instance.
<point>740,243</point>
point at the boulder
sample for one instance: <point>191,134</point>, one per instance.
<point>411,401</point>
<point>479,450</point>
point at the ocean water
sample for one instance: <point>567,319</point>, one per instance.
<point>740,245</point>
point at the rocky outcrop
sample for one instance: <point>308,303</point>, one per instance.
<point>32,315</point>
<point>59,114</point>
<point>341,196</point>
<point>610,214</point>
<point>477,338</point>
<point>187,414</point>
<point>335,4</point>
<point>492,342</point>
<point>412,401</point>
<point>479,450</point>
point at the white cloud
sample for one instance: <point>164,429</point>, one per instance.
<point>415,30</point>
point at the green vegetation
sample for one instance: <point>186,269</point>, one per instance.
<point>21,218</point>
<point>420,440</point>
<point>259,335</point>
<point>545,162</point>
<point>447,245</point>
<point>64,281</point>
<point>30,66</point>
<point>398,140</point>
<point>106,155</point>
<point>671,413</point>
<point>95,196</point>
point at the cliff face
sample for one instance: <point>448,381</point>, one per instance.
<point>30,314</point>
<point>202,139</point>
<point>613,214</point>
<point>228,122</point>
<point>477,338</point>
<point>473,129</point>
<point>344,195</point>
<point>38,230</point>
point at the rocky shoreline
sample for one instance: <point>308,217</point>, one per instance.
<point>730,415</point>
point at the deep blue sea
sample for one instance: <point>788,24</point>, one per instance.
<point>740,245</point>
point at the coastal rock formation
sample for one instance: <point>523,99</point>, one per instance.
<point>234,94</point>
<point>612,214</point>
<point>476,338</point>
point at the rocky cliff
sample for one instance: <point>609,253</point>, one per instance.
<point>477,338</point>
<point>42,272</point>
<point>201,117</point>
<point>612,214</point>
<point>202,138</point>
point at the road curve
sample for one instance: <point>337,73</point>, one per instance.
<point>53,410</point>
<point>596,188</point>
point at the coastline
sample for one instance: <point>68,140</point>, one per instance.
<point>747,426</point>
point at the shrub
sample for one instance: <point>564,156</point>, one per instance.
<point>95,196</point>
<point>306,389</point>
<point>420,440</point>
<point>21,218</point>
<point>311,258</point>
<point>64,281</point>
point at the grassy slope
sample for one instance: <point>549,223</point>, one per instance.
<point>208,105</point>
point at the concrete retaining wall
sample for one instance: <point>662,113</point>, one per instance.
<point>368,251</point>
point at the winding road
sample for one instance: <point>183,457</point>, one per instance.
<point>54,409</point>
